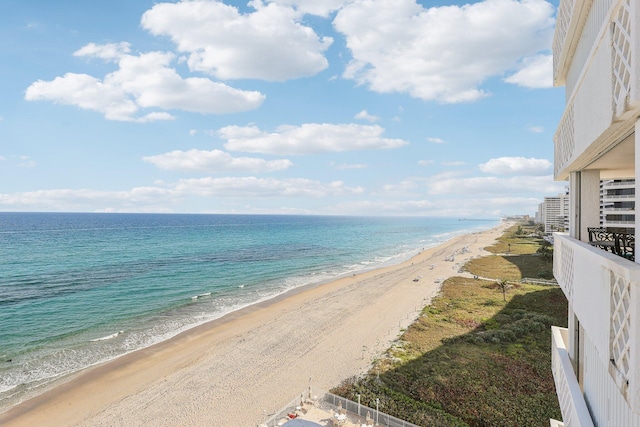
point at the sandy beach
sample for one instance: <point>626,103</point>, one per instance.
<point>230,371</point>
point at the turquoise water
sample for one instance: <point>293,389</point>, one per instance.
<point>80,289</point>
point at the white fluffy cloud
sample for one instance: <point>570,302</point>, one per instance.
<point>405,187</point>
<point>313,7</point>
<point>443,53</point>
<point>214,161</point>
<point>86,92</point>
<point>139,199</point>
<point>161,198</point>
<point>364,115</point>
<point>434,140</point>
<point>21,161</point>
<point>145,81</point>
<point>307,139</point>
<point>495,185</point>
<point>516,165</point>
<point>109,52</point>
<point>469,207</point>
<point>26,162</point>
<point>263,187</point>
<point>535,72</point>
<point>348,166</point>
<point>270,43</point>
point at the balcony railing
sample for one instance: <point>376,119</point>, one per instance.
<point>606,197</point>
<point>624,184</point>
<point>564,140</point>
<point>587,32</point>
<point>565,11</point>
<point>597,15</point>
<point>612,223</point>
<point>622,62</point>
<point>572,405</point>
<point>604,291</point>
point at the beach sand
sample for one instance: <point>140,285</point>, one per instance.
<point>232,371</point>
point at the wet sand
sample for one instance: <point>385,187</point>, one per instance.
<point>231,371</point>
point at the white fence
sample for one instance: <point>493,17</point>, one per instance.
<point>539,281</point>
<point>328,401</point>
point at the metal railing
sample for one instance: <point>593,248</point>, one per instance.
<point>537,281</point>
<point>290,407</point>
<point>608,209</point>
<point>625,183</point>
<point>606,197</point>
<point>572,405</point>
<point>379,418</point>
<point>328,401</point>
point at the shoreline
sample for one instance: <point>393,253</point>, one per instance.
<point>233,369</point>
<point>28,391</point>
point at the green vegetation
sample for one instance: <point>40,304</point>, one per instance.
<point>479,355</point>
<point>516,256</point>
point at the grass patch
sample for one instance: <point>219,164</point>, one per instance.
<point>516,257</point>
<point>472,359</point>
<point>520,239</point>
<point>512,267</point>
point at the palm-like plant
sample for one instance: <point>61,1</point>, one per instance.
<point>503,285</point>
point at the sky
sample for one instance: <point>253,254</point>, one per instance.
<point>332,107</point>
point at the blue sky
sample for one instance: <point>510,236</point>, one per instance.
<point>355,107</point>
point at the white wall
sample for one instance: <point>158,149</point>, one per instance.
<point>592,280</point>
<point>593,100</point>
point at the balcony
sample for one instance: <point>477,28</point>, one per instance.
<point>603,290</point>
<point>620,184</point>
<point>594,45</point>
<point>618,197</point>
<point>565,11</point>
<point>619,211</point>
<point>572,405</point>
<point>575,34</point>
<point>620,225</point>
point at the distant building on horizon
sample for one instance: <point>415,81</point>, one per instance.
<point>617,208</point>
<point>553,212</point>
<point>517,218</point>
<point>617,205</point>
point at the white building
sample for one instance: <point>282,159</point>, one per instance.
<point>596,360</point>
<point>540,214</point>
<point>617,204</point>
<point>554,213</point>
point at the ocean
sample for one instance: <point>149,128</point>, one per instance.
<point>79,289</point>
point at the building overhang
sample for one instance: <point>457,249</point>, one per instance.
<point>613,154</point>
<point>571,17</point>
